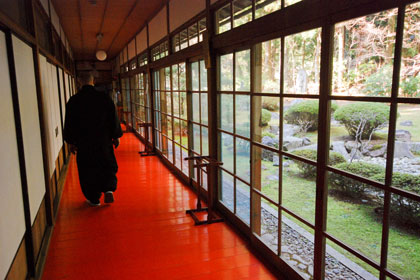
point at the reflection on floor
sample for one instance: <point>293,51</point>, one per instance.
<point>145,233</point>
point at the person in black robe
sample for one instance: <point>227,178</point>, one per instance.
<point>91,129</point>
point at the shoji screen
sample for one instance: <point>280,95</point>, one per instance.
<point>62,96</point>
<point>131,49</point>
<point>183,10</point>
<point>48,111</point>
<point>141,40</point>
<point>157,27</point>
<point>12,222</point>
<point>28,105</point>
<point>58,141</point>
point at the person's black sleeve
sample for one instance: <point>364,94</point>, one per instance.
<point>69,132</point>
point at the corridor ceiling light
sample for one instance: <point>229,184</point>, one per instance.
<point>101,55</point>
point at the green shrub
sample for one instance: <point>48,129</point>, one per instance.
<point>308,170</point>
<point>352,187</point>
<point>271,104</point>
<point>305,114</point>
<point>353,116</point>
<point>405,210</point>
<point>269,134</point>
<point>410,87</point>
<point>265,117</point>
<point>380,82</point>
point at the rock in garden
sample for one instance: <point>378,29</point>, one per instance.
<point>350,145</point>
<point>271,142</point>
<point>339,147</point>
<point>406,123</point>
<point>306,141</point>
<point>355,154</point>
<point>402,135</point>
<point>276,161</point>
<point>290,129</point>
<point>275,129</point>
<point>275,116</point>
<point>402,149</point>
<point>292,143</point>
<point>378,152</point>
<point>415,147</point>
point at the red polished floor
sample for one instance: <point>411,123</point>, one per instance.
<point>145,233</point>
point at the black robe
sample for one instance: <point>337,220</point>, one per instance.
<point>91,124</point>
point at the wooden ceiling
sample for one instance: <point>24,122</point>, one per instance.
<point>118,21</point>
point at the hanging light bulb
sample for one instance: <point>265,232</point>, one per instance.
<point>101,55</point>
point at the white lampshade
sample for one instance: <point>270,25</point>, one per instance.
<point>101,55</point>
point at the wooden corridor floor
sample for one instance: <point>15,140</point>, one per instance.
<point>145,233</point>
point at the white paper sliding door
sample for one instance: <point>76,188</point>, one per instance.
<point>12,221</point>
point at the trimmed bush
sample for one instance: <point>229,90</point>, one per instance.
<point>309,171</point>
<point>380,82</point>
<point>265,117</point>
<point>352,187</point>
<point>406,210</point>
<point>271,104</point>
<point>305,114</point>
<point>362,117</point>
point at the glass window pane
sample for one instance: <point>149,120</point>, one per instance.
<point>406,165</point>
<point>205,139</point>
<point>243,198</point>
<point>243,159</point>
<point>300,130</point>
<point>184,134</point>
<point>302,62</point>
<point>226,190</point>
<point>185,163</point>
<point>196,107</point>
<point>169,127</point>
<point>266,120</point>
<point>170,151</point>
<point>178,157</point>
<point>404,241</point>
<point>226,112</point>
<point>267,67</point>
<point>265,172</point>
<point>298,187</point>
<point>194,76</point>
<point>364,55</point>
<point>297,245</point>
<point>175,43</point>
<point>193,34</point>
<point>243,70</point>
<point>201,28</point>
<point>242,12</point>
<point>183,38</point>
<point>183,105</point>
<point>226,143</point>
<point>182,80</point>
<point>204,108</point>
<point>223,18</point>
<point>242,115</point>
<point>353,216</point>
<point>226,72</point>
<point>203,76</point>
<point>176,103</point>
<point>409,73</point>
<point>265,222</point>
<point>359,132</point>
<point>175,77</point>
<point>265,7</point>
<point>177,131</point>
<point>340,261</point>
<point>196,138</point>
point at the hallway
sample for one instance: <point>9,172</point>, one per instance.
<point>145,233</point>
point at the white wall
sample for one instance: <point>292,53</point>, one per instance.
<point>28,105</point>
<point>158,27</point>
<point>12,221</point>
<point>180,11</point>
